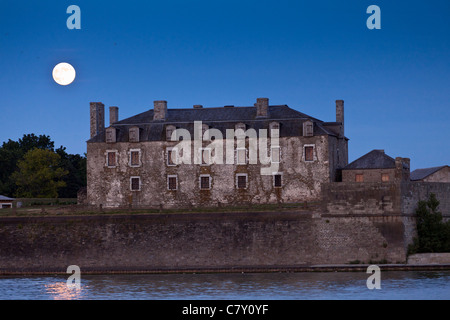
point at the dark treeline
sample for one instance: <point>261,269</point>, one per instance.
<point>46,172</point>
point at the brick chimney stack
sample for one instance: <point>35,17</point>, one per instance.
<point>262,107</point>
<point>97,118</point>
<point>113,115</point>
<point>340,115</point>
<point>159,110</point>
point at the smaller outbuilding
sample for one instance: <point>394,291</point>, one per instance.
<point>434,174</point>
<point>376,166</point>
<point>6,202</point>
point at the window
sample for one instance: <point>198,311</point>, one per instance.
<point>205,128</point>
<point>240,125</point>
<point>241,156</point>
<point>308,128</point>
<point>111,159</point>
<point>172,182</point>
<point>133,134</point>
<point>135,183</point>
<point>205,182</point>
<point>205,156</point>
<point>275,154</point>
<point>172,157</point>
<point>135,158</point>
<point>359,177</point>
<point>309,153</point>
<point>169,130</point>
<point>241,181</point>
<point>277,180</point>
<point>385,177</point>
<point>276,127</point>
<point>110,135</point>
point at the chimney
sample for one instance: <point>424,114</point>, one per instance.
<point>402,169</point>
<point>198,106</point>
<point>159,110</point>
<point>262,107</point>
<point>340,115</point>
<point>407,169</point>
<point>97,118</point>
<point>113,115</point>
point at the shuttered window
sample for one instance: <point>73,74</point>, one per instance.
<point>241,181</point>
<point>172,182</point>
<point>241,156</point>
<point>111,159</point>
<point>309,153</point>
<point>171,157</point>
<point>135,183</point>
<point>134,158</point>
<point>205,182</point>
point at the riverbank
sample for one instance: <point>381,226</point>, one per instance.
<point>247,269</point>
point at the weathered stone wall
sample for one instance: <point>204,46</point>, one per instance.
<point>382,197</point>
<point>110,187</point>
<point>400,199</point>
<point>338,157</point>
<point>348,198</point>
<point>415,191</point>
<point>429,258</point>
<point>152,241</point>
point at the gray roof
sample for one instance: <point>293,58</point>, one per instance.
<point>5,198</point>
<point>375,159</point>
<point>221,118</point>
<point>420,174</point>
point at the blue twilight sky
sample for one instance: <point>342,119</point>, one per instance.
<point>395,81</point>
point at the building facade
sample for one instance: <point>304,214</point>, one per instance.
<point>434,174</point>
<point>376,166</point>
<point>183,157</point>
<point>6,202</point>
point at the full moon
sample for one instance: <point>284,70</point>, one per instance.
<point>63,74</point>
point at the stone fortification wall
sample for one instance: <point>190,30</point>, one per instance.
<point>371,198</point>
<point>415,191</point>
<point>225,240</point>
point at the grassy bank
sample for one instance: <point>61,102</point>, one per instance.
<point>49,207</point>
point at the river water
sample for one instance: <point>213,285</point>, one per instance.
<point>408,285</point>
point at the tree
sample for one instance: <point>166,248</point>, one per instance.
<point>39,174</point>
<point>433,235</point>
<point>75,164</point>
<point>12,151</point>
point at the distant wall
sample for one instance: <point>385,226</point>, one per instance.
<point>371,198</point>
<point>429,258</point>
<point>415,191</point>
<point>382,197</point>
<point>152,241</point>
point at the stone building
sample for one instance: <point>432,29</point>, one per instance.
<point>133,162</point>
<point>376,166</point>
<point>434,174</point>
